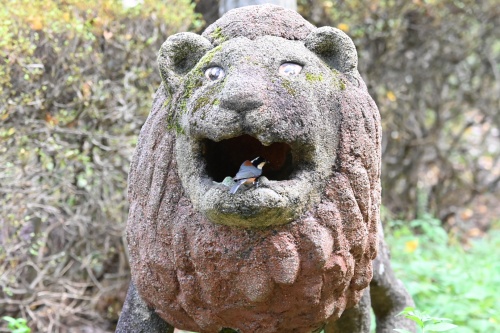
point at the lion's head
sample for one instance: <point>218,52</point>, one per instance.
<point>294,252</point>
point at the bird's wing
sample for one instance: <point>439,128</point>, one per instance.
<point>247,182</point>
<point>247,172</point>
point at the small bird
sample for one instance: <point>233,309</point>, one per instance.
<point>248,174</point>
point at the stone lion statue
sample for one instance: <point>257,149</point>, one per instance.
<point>291,254</point>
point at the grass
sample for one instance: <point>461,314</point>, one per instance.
<point>446,278</point>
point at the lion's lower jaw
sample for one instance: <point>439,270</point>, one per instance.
<point>292,278</point>
<point>271,204</point>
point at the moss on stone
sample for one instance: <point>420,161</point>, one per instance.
<point>201,102</point>
<point>167,102</point>
<point>228,330</point>
<point>173,124</point>
<point>218,36</point>
<point>314,77</point>
<point>192,83</point>
<point>181,54</point>
<point>206,59</point>
<point>288,85</point>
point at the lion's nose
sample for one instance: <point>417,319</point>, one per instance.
<point>242,93</point>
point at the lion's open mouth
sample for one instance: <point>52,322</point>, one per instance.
<point>223,158</point>
<point>289,188</point>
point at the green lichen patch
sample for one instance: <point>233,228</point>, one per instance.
<point>183,53</point>
<point>192,83</point>
<point>289,86</point>
<point>201,102</point>
<point>193,80</point>
<point>218,36</point>
<point>173,124</point>
<point>207,59</point>
<point>167,102</point>
<point>314,77</point>
<point>208,97</point>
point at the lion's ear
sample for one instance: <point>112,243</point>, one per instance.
<point>335,48</point>
<point>178,55</point>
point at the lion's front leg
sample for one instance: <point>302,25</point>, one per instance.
<point>388,294</point>
<point>136,317</point>
<point>354,320</point>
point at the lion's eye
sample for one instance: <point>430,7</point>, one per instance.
<point>214,73</point>
<point>290,69</point>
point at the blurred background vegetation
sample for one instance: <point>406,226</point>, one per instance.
<point>76,84</point>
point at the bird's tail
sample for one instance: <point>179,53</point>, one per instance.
<point>236,186</point>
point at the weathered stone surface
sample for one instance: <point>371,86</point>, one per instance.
<point>294,253</point>
<point>138,318</point>
<point>256,21</point>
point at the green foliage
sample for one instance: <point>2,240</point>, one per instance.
<point>76,84</point>
<point>446,278</point>
<point>432,67</point>
<point>17,325</point>
<point>424,322</point>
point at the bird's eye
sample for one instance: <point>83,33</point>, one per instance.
<point>214,73</point>
<point>290,69</point>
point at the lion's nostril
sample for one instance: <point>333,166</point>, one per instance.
<point>223,159</point>
<point>243,91</point>
<point>242,100</point>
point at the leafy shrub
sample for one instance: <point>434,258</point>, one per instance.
<point>446,278</point>
<point>433,68</point>
<point>425,323</point>
<point>76,83</point>
<point>17,325</point>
